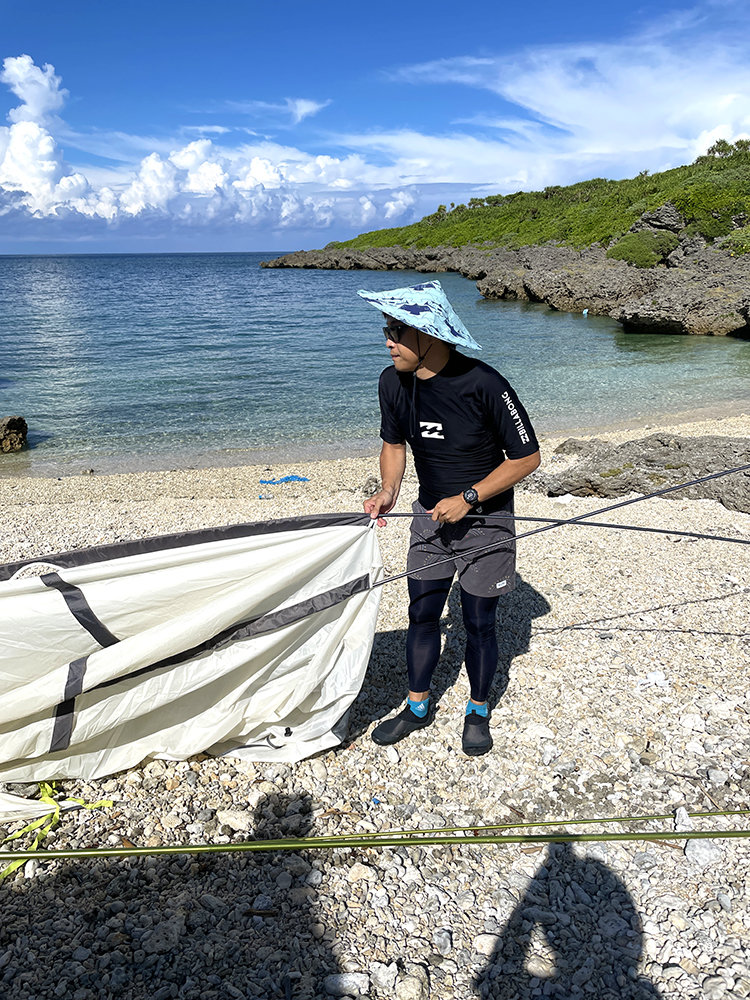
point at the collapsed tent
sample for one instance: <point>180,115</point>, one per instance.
<point>251,639</point>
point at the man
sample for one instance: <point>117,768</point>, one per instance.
<point>472,441</point>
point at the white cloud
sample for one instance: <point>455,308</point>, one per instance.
<point>194,184</point>
<point>401,202</point>
<point>260,172</point>
<point>207,129</point>
<point>564,113</point>
<point>300,108</point>
<point>368,209</point>
<point>31,166</point>
<point>152,188</point>
<point>608,104</point>
<point>39,89</point>
<point>296,108</point>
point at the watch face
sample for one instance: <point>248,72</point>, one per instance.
<point>471,496</point>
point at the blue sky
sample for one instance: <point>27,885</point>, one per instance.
<point>240,126</point>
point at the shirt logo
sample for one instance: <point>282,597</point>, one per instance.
<point>431,429</point>
<point>516,417</point>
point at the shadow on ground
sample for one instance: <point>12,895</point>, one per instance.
<point>385,683</point>
<point>575,932</point>
<point>187,926</point>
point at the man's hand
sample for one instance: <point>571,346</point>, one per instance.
<point>381,503</point>
<point>450,510</point>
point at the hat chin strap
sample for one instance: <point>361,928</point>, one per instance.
<point>420,356</point>
<point>413,401</point>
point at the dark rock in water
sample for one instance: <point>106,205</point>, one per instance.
<point>654,463</point>
<point>13,431</point>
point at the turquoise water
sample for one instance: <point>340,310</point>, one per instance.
<point>163,361</point>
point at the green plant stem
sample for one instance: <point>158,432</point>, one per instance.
<point>312,843</point>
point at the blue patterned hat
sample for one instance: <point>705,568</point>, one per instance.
<point>424,307</point>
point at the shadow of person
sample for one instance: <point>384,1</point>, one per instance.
<point>385,685</point>
<point>575,931</point>
<point>516,613</point>
<point>191,926</point>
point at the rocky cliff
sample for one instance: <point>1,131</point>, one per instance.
<point>699,289</point>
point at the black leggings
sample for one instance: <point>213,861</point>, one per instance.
<point>427,600</point>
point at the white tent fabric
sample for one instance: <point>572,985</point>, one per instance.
<point>14,808</point>
<point>251,639</point>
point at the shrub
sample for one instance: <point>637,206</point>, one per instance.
<point>738,242</point>
<point>713,195</point>
<point>646,249</point>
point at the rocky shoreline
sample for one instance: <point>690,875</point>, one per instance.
<point>699,290</point>
<point>622,690</point>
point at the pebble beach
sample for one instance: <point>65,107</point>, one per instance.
<point>622,691</point>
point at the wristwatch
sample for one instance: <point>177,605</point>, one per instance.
<point>471,496</point>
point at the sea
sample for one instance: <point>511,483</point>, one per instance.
<point>129,362</point>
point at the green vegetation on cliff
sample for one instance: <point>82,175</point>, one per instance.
<point>712,194</point>
<point>645,249</point>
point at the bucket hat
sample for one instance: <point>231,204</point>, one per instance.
<point>424,307</point>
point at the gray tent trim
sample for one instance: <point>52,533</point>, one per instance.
<point>157,543</point>
<point>79,608</point>
<point>254,635</point>
<point>62,729</point>
<point>65,712</point>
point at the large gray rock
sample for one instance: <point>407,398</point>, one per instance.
<point>573,280</point>
<point>667,218</point>
<point>653,463</point>
<point>13,431</point>
<point>707,293</point>
<point>704,290</point>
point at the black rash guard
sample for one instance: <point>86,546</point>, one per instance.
<point>460,424</point>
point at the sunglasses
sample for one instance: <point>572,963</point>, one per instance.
<point>395,332</point>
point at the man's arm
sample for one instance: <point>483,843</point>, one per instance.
<point>392,468</point>
<point>512,471</point>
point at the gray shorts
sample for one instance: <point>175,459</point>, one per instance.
<point>487,574</point>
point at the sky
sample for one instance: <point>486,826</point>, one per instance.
<point>240,126</point>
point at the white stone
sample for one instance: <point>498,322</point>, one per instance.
<point>677,920</point>
<point>702,853</point>
<point>318,769</point>
<point>442,938</point>
<point>682,820</point>
<point>486,944</point>
<point>236,819</point>
<point>343,984</point>
<point>539,966</point>
<point>536,731</point>
<point>693,721</point>
<point>392,755</point>
<point>714,987</point>
<point>410,988</point>
<point>359,872</point>
<point>383,977</point>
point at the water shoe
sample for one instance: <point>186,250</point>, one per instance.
<point>401,725</point>
<point>476,739</point>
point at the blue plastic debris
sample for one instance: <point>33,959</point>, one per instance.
<point>284,479</point>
